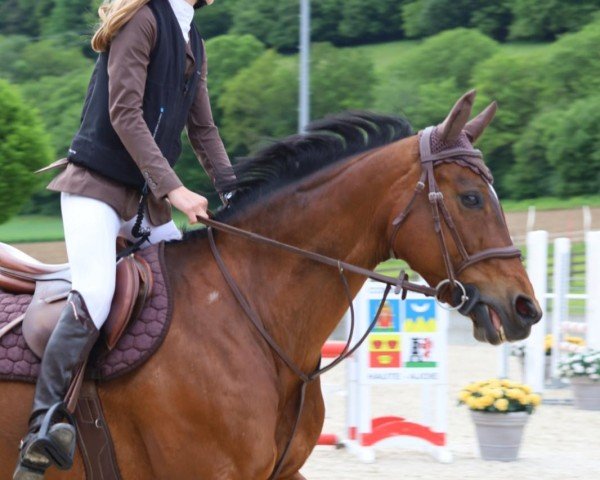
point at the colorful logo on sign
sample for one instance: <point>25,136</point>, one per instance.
<point>389,319</point>
<point>384,350</point>
<point>420,354</point>
<point>420,316</point>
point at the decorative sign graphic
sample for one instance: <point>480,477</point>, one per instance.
<point>389,319</point>
<point>420,354</point>
<point>384,350</point>
<point>408,343</point>
<point>420,316</point>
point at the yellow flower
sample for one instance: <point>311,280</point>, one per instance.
<point>472,402</point>
<point>534,399</point>
<point>497,393</point>
<point>501,404</point>
<point>486,401</point>
<point>548,342</point>
<point>575,340</point>
<point>526,388</point>
<point>463,395</point>
<point>515,393</point>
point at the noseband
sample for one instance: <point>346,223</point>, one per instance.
<point>465,157</point>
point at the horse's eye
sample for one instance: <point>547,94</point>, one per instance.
<point>471,200</point>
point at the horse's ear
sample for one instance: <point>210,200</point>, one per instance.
<point>457,118</point>
<point>475,127</point>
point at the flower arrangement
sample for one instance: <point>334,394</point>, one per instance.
<point>569,343</point>
<point>584,364</point>
<point>499,396</point>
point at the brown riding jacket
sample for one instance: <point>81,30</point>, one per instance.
<point>127,63</point>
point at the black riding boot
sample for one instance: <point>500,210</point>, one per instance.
<point>50,441</point>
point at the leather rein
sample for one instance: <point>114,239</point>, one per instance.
<point>472,158</point>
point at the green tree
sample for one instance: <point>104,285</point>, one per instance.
<point>273,23</point>
<point>24,147</point>
<point>546,19</point>
<point>452,54</point>
<point>493,18</point>
<point>574,150</point>
<point>422,18</point>
<point>532,176</point>
<point>378,21</point>
<point>16,17</point>
<point>215,20</point>
<point>59,101</point>
<point>515,81</point>
<point>259,103</point>
<point>326,16</point>
<point>69,15</point>
<point>11,52</point>
<point>39,59</point>
<point>426,81</point>
<point>433,102</point>
<point>228,54</point>
<point>334,82</point>
<point>572,69</point>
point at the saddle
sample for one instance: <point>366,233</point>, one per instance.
<point>137,324</point>
<point>50,285</point>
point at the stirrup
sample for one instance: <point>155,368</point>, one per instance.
<point>47,442</point>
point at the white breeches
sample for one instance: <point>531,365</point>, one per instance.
<point>91,229</point>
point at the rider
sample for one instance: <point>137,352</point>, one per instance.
<point>149,82</point>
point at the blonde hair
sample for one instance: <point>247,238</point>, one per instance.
<point>113,15</point>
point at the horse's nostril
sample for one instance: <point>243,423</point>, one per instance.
<point>527,310</point>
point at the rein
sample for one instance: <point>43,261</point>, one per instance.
<point>469,157</point>
<point>401,284</point>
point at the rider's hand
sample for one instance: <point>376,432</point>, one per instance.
<point>189,203</point>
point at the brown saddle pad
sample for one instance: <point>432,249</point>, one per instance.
<point>141,339</point>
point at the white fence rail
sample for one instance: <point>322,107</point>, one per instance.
<point>558,323</point>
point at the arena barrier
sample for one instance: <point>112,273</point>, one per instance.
<point>407,346</point>
<point>558,322</point>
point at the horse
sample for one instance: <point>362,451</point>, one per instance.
<point>215,402</point>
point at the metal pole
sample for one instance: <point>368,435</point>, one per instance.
<point>304,97</point>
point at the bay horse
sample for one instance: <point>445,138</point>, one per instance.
<point>215,402</point>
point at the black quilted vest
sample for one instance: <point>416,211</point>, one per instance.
<point>167,100</point>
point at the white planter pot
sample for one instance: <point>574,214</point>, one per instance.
<point>586,393</point>
<point>499,434</point>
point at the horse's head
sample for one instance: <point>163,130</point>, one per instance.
<point>453,231</point>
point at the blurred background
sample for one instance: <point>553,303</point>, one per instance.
<point>538,58</point>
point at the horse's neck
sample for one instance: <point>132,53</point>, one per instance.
<point>344,213</point>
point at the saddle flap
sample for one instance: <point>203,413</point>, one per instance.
<point>42,315</point>
<point>133,282</point>
<point>126,293</point>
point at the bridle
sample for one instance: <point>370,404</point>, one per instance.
<point>467,157</point>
